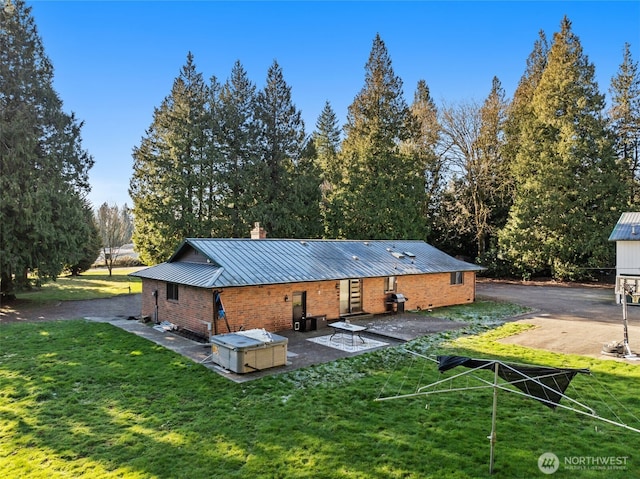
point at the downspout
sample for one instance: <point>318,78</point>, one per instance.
<point>155,315</point>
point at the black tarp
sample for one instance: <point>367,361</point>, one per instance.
<point>529,379</point>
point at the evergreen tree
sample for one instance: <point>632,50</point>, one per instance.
<point>91,248</point>
<point>625,119</point>
<point>382,190</point>
<point>326,140</point>
<point>326,145</point>
<point>238,150</point>
<point>44,169</point>
<point>494,173</point>
<point>569,188</point>
<point>281,139</point>
<point>520,107</point>
<point>171,192</point>
<point>423,147</point>
<point>306,194</point>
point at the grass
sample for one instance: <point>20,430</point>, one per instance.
<point>93,284</point>
<point>481,314</point>
<point>81,399</point>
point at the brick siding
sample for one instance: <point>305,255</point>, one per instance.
<point>249,307</point>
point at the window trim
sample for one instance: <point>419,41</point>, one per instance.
<point>456,278</point>
<point>173,292</point>
<point>387,280</point>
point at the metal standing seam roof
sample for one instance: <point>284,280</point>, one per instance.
<point>246,262</point>
<point>627,228</point>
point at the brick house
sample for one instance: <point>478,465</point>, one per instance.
<point>215,286</point>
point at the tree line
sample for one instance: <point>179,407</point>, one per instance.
<point>526,186</point>
<point>45,219</point>
<point>47,225</point>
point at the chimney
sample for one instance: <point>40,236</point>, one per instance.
<point>257,232</point>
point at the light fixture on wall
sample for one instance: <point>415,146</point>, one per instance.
<point>286,298</point>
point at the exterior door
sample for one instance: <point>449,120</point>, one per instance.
<point>350,296</point>
<point>299,305</point>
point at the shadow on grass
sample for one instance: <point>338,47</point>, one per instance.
<point>87,399</point>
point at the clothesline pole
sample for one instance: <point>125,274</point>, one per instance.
<point>494,413</point>
<point>625,341</point>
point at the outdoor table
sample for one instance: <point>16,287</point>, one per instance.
<point>344,327</point>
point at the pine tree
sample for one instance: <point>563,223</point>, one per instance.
<point>569,188</point>
<point>44,169</point>
<point>625,119</point>
<point>170,188</point>
<point>382,190</point>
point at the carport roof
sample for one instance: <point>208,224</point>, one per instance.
<point>627,228</point>
<point>219,263</point>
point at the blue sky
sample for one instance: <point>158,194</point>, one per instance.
<point>115,61</point>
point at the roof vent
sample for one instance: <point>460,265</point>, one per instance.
<point>303,243</point>
<point>409,254</point>
<point>355,257</point>
<point>366,243</point>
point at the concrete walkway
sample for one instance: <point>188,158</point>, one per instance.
<point>390,330</point>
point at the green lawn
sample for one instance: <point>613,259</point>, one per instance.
<point>93,284</point>
<point>81,399</point>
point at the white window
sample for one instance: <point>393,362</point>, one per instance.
<point>389,284</point>
<point>457,277</point>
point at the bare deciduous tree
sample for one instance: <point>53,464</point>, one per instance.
<point>116,227</point>
<point>472,137</point>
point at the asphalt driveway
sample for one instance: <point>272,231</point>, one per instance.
<point>568,319</point>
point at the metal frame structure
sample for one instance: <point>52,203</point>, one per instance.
<point>496,386</point>
<point>627,286</point>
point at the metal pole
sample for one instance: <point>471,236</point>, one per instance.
<point>627,349</point>
<point>492,437</point>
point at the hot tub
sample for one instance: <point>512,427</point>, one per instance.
<point>248,351</point>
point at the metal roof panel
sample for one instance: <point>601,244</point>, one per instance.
<point>244,262</point>
<point>627,228</point>
<point>192,274</point>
